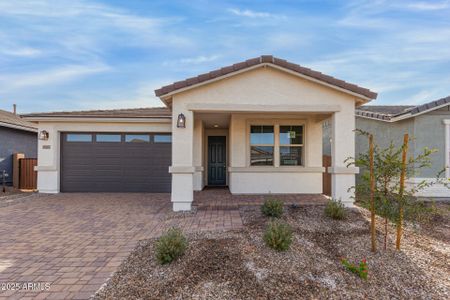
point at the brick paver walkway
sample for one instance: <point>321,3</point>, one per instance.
<point>222,199</point>
<point>75,242</point>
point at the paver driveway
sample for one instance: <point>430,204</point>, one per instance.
<point>75,242</point>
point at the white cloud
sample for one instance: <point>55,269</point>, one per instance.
<point>426,6</point>
<point>252,14</point>
<point>49,77</point>
<point>21,51</point>
<point>196,60</point>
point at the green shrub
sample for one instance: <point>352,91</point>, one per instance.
<point>170,246</point>
<point>278,236</point>
<point>335,209</point>
<point>361,269</point>
<point>272,208</point>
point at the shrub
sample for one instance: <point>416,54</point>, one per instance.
<point>335,210</point>
<point>278,236</point>
<point>170,246</point>
<point>360,269</point>
<point>272,208</point>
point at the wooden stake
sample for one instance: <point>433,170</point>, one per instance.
<point>401,191</point>
<point>373,232</point>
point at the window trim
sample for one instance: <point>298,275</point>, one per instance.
<point>276,123</point>
<point>261,145</point>
<point>302,145</point>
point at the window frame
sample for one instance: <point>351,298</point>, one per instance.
<point>261,145</point>
<point>302,146</point>
<point>276,123</point>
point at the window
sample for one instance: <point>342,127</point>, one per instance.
<point>137,138</point>
<point>277,145</point>
<point>79,137</point>
<point>261,145</point>
<point>291,145</point>
<point>163,138</point>
<point>109,138</point>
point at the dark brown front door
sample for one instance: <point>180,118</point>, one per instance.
<point>115,162</point>
<point>217,173</point>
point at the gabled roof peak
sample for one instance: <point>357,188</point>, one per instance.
<point>261,60</point>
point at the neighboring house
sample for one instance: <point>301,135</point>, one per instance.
<point>428,125</point>
<point>16,136</point>
<point>255,126</point>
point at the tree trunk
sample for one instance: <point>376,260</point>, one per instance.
<point>373,232</point>
<point>401,191</point>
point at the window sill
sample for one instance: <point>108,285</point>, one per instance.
<point>283,169</point>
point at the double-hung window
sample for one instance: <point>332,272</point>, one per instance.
<point>277,145</point>
<point>291,145</point>
<point>262,145</point>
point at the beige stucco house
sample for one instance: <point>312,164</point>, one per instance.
<point>255,126</point>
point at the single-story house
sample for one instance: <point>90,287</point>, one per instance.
<point>428,125</point>
<point>255,126</point>
<point>16,136</point>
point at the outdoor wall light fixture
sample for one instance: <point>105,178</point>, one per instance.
<point>181,121</point>
<point>43,135</point>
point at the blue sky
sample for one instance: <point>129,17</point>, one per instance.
<point>72,55</point>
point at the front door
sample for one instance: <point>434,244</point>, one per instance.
<point>217,160</point>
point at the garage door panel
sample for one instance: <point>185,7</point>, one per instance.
<point>115,166</point>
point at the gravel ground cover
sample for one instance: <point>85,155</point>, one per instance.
<point>238,265</point>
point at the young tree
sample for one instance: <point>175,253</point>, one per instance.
<point>392,200</point>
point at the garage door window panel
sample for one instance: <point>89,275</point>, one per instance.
<point>137,138</point>
<point>108,138</point>
<point>79,137</point>
<point>162,138</point>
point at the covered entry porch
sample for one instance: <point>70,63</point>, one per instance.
<point>255,152</point>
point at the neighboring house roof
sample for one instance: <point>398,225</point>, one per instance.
<point>151,112</point>
<point>392,113</point>
<point>10,120</point>
<point>264,60</point>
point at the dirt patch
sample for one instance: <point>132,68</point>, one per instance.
<point>238,265</point>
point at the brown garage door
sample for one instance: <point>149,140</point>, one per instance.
<point>115,162</point>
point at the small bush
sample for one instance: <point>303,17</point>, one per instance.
<point>361,269</point>
<point>278,236</point>
<point>170,246</point>
<point>272,208</point>
<point>335,210</point>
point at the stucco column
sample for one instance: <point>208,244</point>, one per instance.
<point>198,154</point>
<point>182,168</point>
<point>342,147</point>
<point>48,167</point>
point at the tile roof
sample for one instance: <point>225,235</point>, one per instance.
<point>150,112</point>
<point>8,119</point>
<point>265,59</point>
<point>390,112</point>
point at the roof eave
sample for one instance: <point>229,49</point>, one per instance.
<point>165,98</point>
<point>18,127</point>
<point>96,119</point>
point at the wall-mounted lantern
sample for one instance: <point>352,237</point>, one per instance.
<point>43,135</point>
<point>181,121</point>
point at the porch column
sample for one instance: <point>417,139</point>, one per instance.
<point>182,168</point>
<point>342,147</point>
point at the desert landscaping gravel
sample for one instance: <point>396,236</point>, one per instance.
<point>238,265</point>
